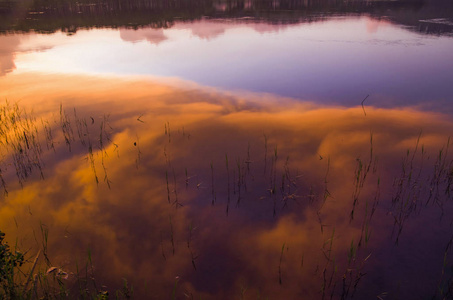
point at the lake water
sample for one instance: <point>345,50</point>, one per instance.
<point>229,149</point>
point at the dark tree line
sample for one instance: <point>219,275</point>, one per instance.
<point>71,15</point>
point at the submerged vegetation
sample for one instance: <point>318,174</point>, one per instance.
<point>219,213</point>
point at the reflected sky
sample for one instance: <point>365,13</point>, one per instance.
<point>226,159</point>
<point>337,61</point>
<point>228,194</point>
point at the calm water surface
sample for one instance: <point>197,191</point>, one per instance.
<point>335,61</point>
<point>220,150</point>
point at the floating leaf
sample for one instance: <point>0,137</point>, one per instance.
<point>51,270</point>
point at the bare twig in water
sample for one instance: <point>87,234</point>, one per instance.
<point>363,107</point>
<point>280,265</point>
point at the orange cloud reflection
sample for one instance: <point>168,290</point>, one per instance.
<point>229,194</point>
<point>7,49</point>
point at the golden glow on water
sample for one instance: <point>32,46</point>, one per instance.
<point>180,155</point>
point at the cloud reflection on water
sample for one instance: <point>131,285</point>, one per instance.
<point>194,146</point>
<point>7,48</point>
<point>337,61</point>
